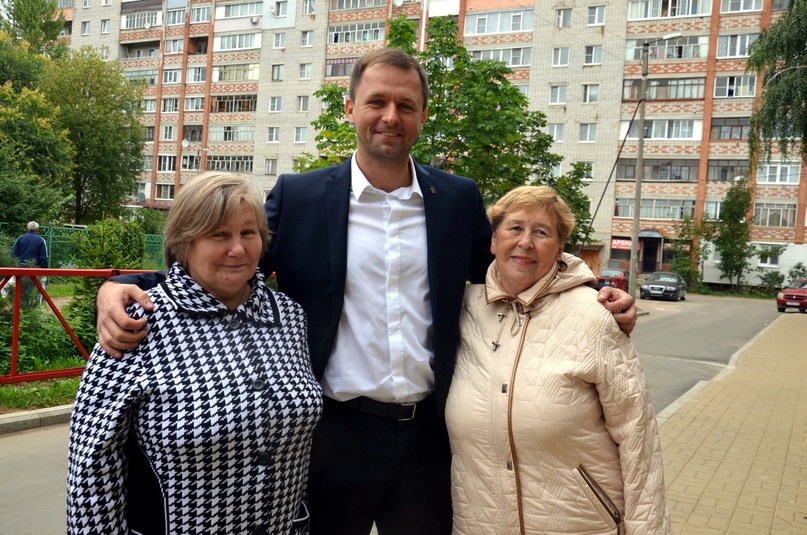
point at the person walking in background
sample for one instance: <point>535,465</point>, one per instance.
<point>549,415</point>
<point>377,250</point>
<point>30,249</point>
<point>206,426</point>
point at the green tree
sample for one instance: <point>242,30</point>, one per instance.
<point>36,22</point>
<point>151,221</point>
<point>18,65</point>
<point>101,110</point>
<point>690,248</point>
<point>336,138</point>
<point>780,56</point>
<point>733,233</point>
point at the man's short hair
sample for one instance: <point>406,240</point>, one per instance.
<point>33,225</point>
<point>388,56</point>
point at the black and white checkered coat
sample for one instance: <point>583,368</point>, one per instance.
<point>205,428</point>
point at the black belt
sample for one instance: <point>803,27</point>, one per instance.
<point>391,411</point>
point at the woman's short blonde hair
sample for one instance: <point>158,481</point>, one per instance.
<point>534,198</point>
<point>205,204</point>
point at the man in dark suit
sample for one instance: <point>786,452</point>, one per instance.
<point>377,251</point>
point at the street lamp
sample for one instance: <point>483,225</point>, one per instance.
<point>637,193</point>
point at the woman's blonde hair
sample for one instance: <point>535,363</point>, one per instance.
<point>205,204</point>
<point>534,198</point>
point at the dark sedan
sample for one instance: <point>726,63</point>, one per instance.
<point>793,296</point>
<point>664,285</point>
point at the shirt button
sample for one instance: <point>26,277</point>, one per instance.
<point>258,385</point>
<point>264,459</point>
<point>233,324</point>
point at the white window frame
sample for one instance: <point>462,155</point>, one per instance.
<point>168,133</point>
<point>596,16</point>
<point>166,163</point>
<point>170,105</point>
<point>593,55</point>
<point>174,46</point>
<point>305,71</point>
<point>563,17</point>
<point>175,17</point>
<point>200,14</point>
<point>172,76</point>
<point>303,102</point>
<point>556,130</point>
<point>148,105</point>
<point>588,133</point>
<point>300,134</point>
<point>273,134</point>
<point>85,27</point>
<point>275,104</point>
<point>779,173</point>
<point>557,95</point>
<point>738,86</point>
<point>740,6</point>
<point>306,38</point>
<point>309,7</point>
<point>239,41</point>
<point>195,103</point>
<point>735,46</point>
<point>770,261</point>
<point>270,166</point>
<point>560,56</point>
<point>591,93</point>
<point>105,24</point>
<point>767,214</point>
<point>277,72</point>
<point>281,8</point>
<point>164,192</point>
<point>279,40</point>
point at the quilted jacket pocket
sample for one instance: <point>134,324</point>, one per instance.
<point>603,498</point>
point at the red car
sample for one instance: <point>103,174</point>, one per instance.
<point>613,277</point>
<point>793,296</point>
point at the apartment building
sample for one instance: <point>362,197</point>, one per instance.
<point>230,86</point>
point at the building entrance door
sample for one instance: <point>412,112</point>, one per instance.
<point>649,255</point>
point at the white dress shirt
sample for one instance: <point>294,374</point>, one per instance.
<point>383,346</point>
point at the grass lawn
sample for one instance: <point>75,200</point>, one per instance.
<point>38,394</point>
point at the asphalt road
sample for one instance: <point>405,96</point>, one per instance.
<point>681,344</point>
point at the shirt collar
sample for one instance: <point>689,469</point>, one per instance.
<point>359,184</point>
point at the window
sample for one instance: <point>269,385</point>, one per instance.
<point>593,55</point>
<point>174,46</point>
<point>339,66</point>
<point>148,134</point>
<point>340,5</point>
<point>85,28</point>
<point>733,6</point>
<point>588,132</point>
<point>557,94</point>
<point>270,167</point>
<point>351,33</point>
<point>277,73</point>
<point>693,46</point>
<point>305,71</point>
<point>726,170</point>
<point>596,15</point>
<point>281,8</point>
<point>664,89</point>
<point>309,7</point>
<point>735,46</point>
<point>174,17</point>
<point>231,133</point>
<point>192,132</point>
<point>711,210</point>
<point>238,42</point>
<point>233,164</point>
<point>591,93</point>
<point>512,57</point>
<point>735,86</point>
<point>149,105</point>
<point>300,134</point>
<point>563,18</point>
<point>275,104</point>
<point>197,74</point>
<point>664,170</point>
<point>190,162</point>
<point>588,170</point>
<point>105,26</point>
<point>307,38</point>
<point>168,133</point>
<point>233,103</point>
<point>556,131</point>
<point>235,73</point>
<point>654,9</point>
<point>170,105</point>
<point>200,14</point>
<point>172,76</point>
<point>779,173</point>
<point>148,163</point>
<point>501,22</point>
<point>556,170</point>
<point>243,10</point>
<point>730,128</point>
<point>103,3</point>
<point>560,57</point>
<point>165,192</point>
<point>279,40</point>
<point>273,134</point>
<point>140,19</point>
<point>772,214</point>
<point>87,3</point>
<point>768,255</point>
<point>302,103</point>
<point>166,164</point>
<point>665,129</point>
<point>149,76</point>
<point>194,103</point>
<point>674,209</point>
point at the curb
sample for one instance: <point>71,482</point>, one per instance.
<point>22,421</point>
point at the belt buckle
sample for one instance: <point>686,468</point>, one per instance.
<point>414,410</point>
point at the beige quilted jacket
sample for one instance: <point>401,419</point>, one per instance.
<point>549,416</point>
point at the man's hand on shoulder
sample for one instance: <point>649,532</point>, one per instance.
<point>117,331</point>
<point>621,305</point>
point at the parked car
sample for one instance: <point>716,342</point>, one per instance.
<point>664,285</point>
<point>793,296</point>
<point>613,277</point>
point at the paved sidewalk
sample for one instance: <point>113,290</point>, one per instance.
<point>735,452</point>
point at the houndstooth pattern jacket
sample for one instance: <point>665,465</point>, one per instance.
<point>205,428</point>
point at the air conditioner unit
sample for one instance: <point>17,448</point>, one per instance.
<point>255,20</point>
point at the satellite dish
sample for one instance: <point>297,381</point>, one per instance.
<point>185,143</point>
<point>398,3</point>
<point>147,25</point>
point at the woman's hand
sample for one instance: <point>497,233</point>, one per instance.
<point>117,331</point>
<point>621,305</point>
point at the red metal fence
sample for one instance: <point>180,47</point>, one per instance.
<point>19,274</point>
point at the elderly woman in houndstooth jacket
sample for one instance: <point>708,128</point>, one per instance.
<point>206,427</point>
<point>549,415</point>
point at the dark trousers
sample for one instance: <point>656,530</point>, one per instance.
<point>367,469</point>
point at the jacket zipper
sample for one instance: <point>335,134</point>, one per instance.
<point>602,497</point>
<point>513,453</point>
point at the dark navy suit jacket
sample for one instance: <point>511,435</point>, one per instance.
<point>309,214</point>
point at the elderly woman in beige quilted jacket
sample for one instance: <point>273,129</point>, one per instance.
<point>550,421</point>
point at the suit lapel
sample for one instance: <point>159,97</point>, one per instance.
<point>432,203</point>
<point>337,204</point>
